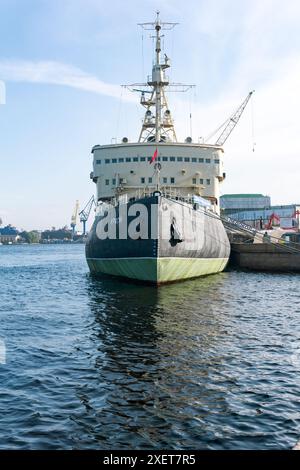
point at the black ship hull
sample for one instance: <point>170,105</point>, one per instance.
<point>158,240</point>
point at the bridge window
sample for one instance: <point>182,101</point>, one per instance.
<point>165,180</point>
<point>121,160</point>
<point>172,159</point>
<point>143,180</point>
<point>135,159</point>
<point>114,181</point>
<point>201,160</point>
<point>150,180</point>
<point>149,159</point>
<point>172,180</point>
<point>142,159</point>
<point>217,160</point>
<point>106,182</point>
<point>98,162</point>
<point>194,160</point>
<point>201,181</point>
<point>179,159</point>
<point>194,180</point>
<point>164,159</point>
<point>208,181</point>
<point>186,159</point>
<point>207,160</point>
<point>128,159</point>
<point>107,160</point>
<point>114,160</point>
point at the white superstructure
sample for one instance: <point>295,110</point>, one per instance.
<point>187,168</point>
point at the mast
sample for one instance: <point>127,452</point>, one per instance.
<point>157,128</point>
<point>158,124</point>
<point>157,84</point>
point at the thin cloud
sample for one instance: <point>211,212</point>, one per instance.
<point>2,92</point>
<point>57,73</point>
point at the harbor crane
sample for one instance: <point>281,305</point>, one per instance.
<point>74,218</point>
<point>230,123</point>
<point>85,213</point>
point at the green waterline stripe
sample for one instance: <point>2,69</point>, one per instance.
<point>157,270</point>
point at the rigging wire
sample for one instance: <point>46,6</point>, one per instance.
<point>172,43</point>
<point>143,62</point>
<point>191,115</point>
<point>207,139</point>
<point>119,112</point>
<point>239,227</point>
<point>252,125</point>
<point>153,50</point>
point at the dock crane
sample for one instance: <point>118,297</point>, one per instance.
<point>74,218</point>
<point>230,123</point>
<point>85,213</point>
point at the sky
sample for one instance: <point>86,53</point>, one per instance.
<point>61,66</point>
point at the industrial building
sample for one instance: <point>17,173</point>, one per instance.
<point>241,202</point>
<point>256,210</point>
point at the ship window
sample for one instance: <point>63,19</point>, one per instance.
<point>186,159</point>
<point>194,181</point>
<point>165,180</point>
<point>150,180</point>
<point>201,180</point>
<point>172,159</point>
<point>165,159</point>
<point>128,159</point>
<point>179,159</point>
<point>121,160</point>
<point>106,182</point>
<point>114,181</point>
<point>135,159</point>
<point>208,181</point>
<point>172,180</point>
<point>98,162</point>
<point>143,159</point>
<point>143,180</point>
<point>194,160</point>
<point>201,160</point>
<point>114,160</point>
<point>107,160</point>
<point>207,160</point>
<point>217,160</point>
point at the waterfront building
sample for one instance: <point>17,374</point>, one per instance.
<point>9,235</point>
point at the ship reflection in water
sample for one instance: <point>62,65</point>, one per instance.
<point>180,369</point>
<point>155,352</point>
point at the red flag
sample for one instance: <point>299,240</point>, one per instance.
<point>154,156</point>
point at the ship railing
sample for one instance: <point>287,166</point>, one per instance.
<point>169,192</point>
<point>166,191</point>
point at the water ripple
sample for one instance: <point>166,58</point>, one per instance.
<point>212,363</point>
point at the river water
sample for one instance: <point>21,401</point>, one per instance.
<point>88,363</point>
